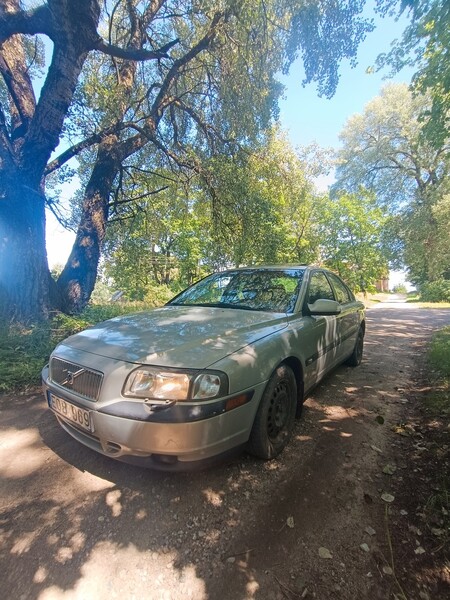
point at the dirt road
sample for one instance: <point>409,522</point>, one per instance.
<point>310,524</point>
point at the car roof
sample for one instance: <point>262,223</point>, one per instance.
<point>282,267</point>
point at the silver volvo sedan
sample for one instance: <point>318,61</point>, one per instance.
<point>226,364</point>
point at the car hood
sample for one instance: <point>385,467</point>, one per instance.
<point>177,336</point>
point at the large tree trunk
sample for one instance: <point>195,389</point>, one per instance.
<point>78,277</point>
<point>27,142</point>
<point>24,274</point>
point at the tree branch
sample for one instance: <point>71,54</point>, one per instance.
<point>134,54</point>
<point>140,197</point>
<point>18,83</point>
<point>31,22</point>
<point>95,138</point>
<point>174,70</point>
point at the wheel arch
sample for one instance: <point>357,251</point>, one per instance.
<point>296,367</point>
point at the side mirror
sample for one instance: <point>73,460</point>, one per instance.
<point>324,307</point>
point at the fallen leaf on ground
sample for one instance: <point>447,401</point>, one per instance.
<point>324,553</point>
<point>399,430</point>
<point>387,497</point>
<point>389,469</point>
<point>290,522</point>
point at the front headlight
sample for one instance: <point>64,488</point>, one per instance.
<point>161,384</point>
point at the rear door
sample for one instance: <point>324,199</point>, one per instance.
<point>347,320</point>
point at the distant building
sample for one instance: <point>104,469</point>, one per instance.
<point>382,285</point>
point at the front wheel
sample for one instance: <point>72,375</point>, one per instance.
<point>355,358</point>
<point>274,421</point>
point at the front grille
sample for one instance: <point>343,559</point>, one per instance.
<point>80,380</point>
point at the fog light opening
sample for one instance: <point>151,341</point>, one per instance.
<point>111,448</point>
<point>165,459</point>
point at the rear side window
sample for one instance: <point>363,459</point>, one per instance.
<point>343,294</point>
<point>319,288</point>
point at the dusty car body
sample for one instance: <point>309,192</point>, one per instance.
<point>225,364</point>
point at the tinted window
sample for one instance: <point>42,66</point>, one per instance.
<point>342,293</point>
<point>319,288</point>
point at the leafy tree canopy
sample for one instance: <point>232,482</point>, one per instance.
<point>188,79</point>
<point>425,46</point>
<point>385,151</point>
<point>351,239</point>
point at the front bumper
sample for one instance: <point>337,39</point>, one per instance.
<point>161,444</point>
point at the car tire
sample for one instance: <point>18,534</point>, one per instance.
<point>355,358</point>
<point>300,399</point>
<point>274,421</point>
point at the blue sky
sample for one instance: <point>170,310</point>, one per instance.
<point>309,118</point>
<point>303,114</point>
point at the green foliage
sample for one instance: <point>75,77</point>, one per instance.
<point>262,205</point>
<point>400,288</point>
<point>351,226</point>
<point>324,32</point>
<point>439,361</point>
<point>162,243</point>
<point>426,237</point>
<point>424,46</point>
<point>157,295</point>
<point>440,353</point>
<point>25,350</point>
<point>195,80</point>
<point>435,291</point>
<point>255,206</point>
<point>102,291</point>
<point>219,98</point>
<point>385,151</point>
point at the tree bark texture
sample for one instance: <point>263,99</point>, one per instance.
<point>27,143</point>
<point>77,280</point>
<point>24,274</point>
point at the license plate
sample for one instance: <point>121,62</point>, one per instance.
<point>76,415</point>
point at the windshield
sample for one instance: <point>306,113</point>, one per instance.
<point>267,290</point>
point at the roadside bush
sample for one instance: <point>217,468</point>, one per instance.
<point>24,350</point>
<point>400,288</point>
<point>157,295</point>
<point>435,291</point>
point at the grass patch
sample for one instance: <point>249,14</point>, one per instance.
<point>25,350</point>
<point>416,298</point>
<point>437,402</point>
<point>436,406</point>
<point>439,355</point>
<point>420,304</point>
<point>413,297</point>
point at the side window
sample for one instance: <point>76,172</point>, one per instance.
<point>342,293</point>
<point>319,288</point>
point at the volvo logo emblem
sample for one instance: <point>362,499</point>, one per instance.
<point>71,376</point>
